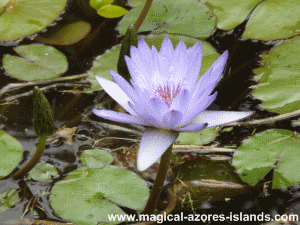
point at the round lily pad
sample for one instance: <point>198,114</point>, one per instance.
<point>276,149</point>
<point>268,19</point>
<point>11,152</point>
<point>112,11</point>
<point>20,18</point>
<point>231,13</point>
<point>96,193</point>
<point>66,35</point>
<point>272,20</point>
<point>96,158</point>
<point>185,17</point>
<point>108,61</point>
<point>43,172</point>
<point>36,62</point>
<point>279,78</point>
<point>198,138</point>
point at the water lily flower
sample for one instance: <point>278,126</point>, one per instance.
<point>165,96</point>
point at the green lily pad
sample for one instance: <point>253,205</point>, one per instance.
<point>11,152</point>
<point>97,4</point>
<point>231,13</point>
<point>279,78</point>
<point>43,172</point>
<point>185,17</point>
<point>198,138</point>
<point>96,158</point>
<point>269,20</point>
<point>108,61</point>
<point>272,20</point>
<point>96,193</point>
<point>8,199</point>
<point>21,18</point>
<point>66,35</point>
<point>112,11</point>
<point>276,149</point>
<point>36,62</point>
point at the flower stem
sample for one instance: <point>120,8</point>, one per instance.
<point>34,160</point>
<point>143,15</point>
<point>159,181</point>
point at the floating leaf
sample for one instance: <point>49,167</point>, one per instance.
<point>185,17</point>
<point>279,78</point>
<point>20,18</point>
<point>67,35</point>
<point>97,4</point>
<point>231,13</point>
<point>11,152</point>
<point>96,158</point>
<point>43,172</point>
<point>272,20</point>
<point>108,61</point>
<point>37,62</point>
<point>276,149</point>
<point>198,138</point>
<point>112,11</point>
<point>95,193</point>
<point>8,199</point>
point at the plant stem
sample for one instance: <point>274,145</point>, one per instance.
<point>143,15</point>
<point>159,181</point>
<point>34,160</point>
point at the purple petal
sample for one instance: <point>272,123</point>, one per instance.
<point>145,115</point>
<point>167,51</point>
<point>181,101</point>
<point>197,107</point>
<point>124,85</point>
<point>116,93</point>
<point>172,119</point>
<point>194,62</point>
<point>145,53</point>
<point>192,127</point>
<point>179,65</point>
<point>215,118</point>
<point>153,144</point>
<point>119,117</point>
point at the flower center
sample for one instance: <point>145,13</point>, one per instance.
<point>168,92</point>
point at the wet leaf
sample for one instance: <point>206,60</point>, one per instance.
<point>36,62</point>
<point>11,152</point>
<point>276,149</point>
<point>185,17</point>
<point>67,35</point>
<point>279,78</point>
<point>96,193</point>
<point>20,18</point>
<point>96,158</point>
<point>43,172</point>
<point>108,61</point>
<point>198,138</point>
<point>8,199</point>
<point>97,4</point>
